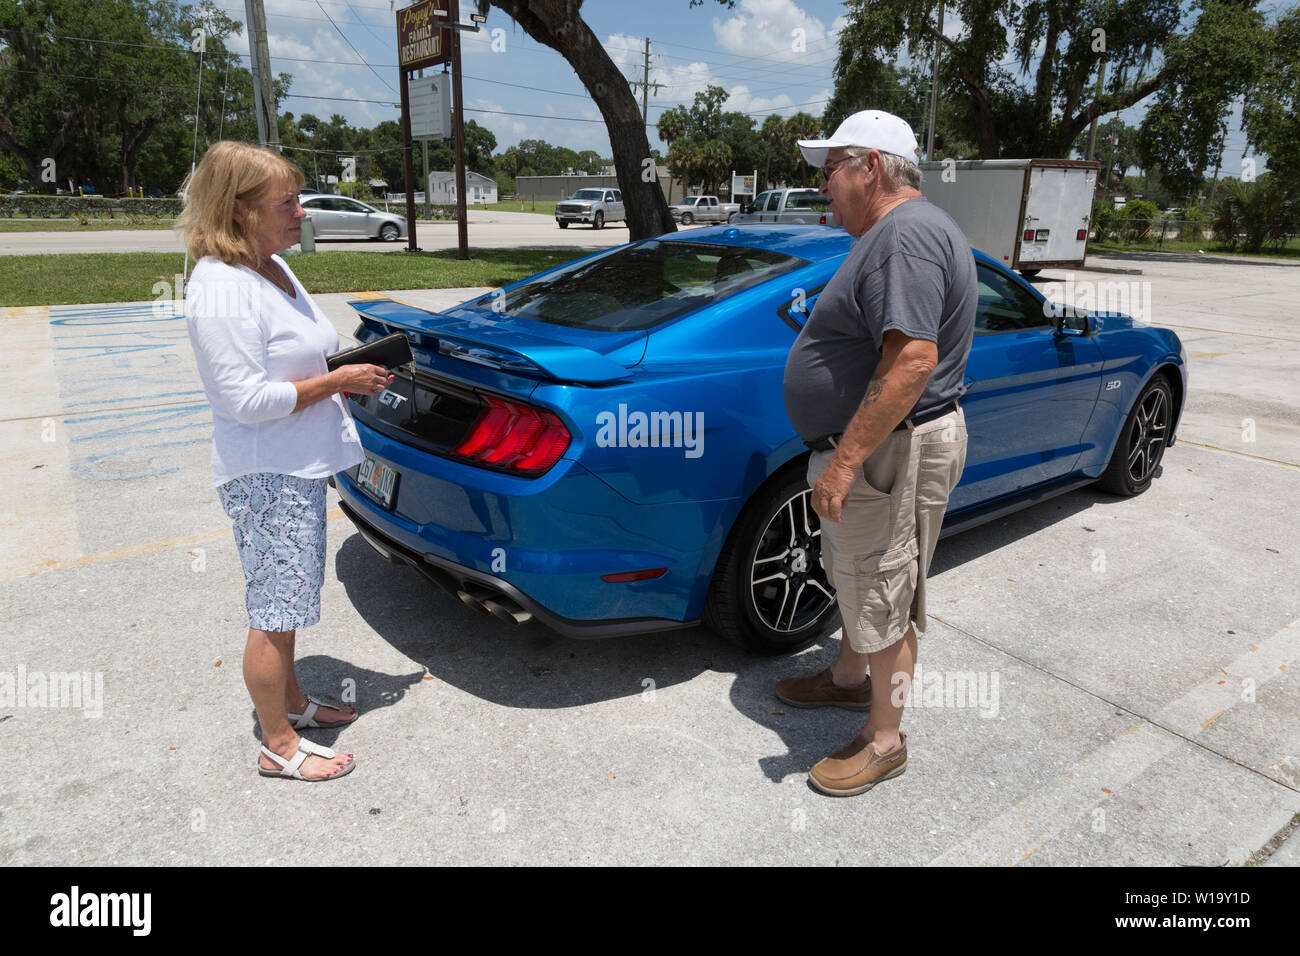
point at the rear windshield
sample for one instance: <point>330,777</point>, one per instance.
<point>642,285</point>
<point>808,200</point>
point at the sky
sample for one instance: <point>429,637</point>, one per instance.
<point>773,56</point>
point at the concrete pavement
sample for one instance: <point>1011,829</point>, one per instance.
<point>1137,656</point>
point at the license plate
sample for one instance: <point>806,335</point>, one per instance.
<point>377,481</point>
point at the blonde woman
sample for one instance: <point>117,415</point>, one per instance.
<point>280,427</point>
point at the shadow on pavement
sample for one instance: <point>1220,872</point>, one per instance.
<point>530,666</point>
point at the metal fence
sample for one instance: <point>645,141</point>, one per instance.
<point>1156,231</point>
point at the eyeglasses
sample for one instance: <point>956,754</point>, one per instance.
<point>829,169</point>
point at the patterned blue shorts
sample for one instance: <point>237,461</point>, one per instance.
<point>280,534</point>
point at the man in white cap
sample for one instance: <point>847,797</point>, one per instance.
<point>872,385</point>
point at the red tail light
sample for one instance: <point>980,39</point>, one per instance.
<point>822,221</point>
<point>1081,235</point>
<point>1029,235</point>
<point>514,437</point>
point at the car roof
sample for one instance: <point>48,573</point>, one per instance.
<point>815,243</point>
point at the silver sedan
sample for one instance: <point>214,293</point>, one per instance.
<point>338,217</point>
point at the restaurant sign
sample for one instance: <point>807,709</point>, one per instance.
<point>422,40</point>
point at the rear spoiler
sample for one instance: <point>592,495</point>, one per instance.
<point>471,340</point>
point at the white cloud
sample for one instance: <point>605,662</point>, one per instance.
<point>779,30</point>
<point>679,82</point>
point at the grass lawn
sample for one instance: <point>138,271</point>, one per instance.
<point>1290,251</point>
<point>78,225</point>
<point>131,276</point>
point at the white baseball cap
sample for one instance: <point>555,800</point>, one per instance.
<point>872,129</point>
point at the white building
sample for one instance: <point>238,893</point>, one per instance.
<point>478,188</point>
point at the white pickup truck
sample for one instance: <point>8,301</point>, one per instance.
<point>703,209</point>
<point>788,205</point>
<point>596,205</point>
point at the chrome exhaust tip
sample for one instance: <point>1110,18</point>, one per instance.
<point>472,600</point>
<point>511,615</point>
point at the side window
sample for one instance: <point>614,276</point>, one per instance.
<point>314,204</point>
<point>760,201</point>
<point>795,313</point>
<point>618,195</point>
<point>347,205</point>
<point>1004,306</point>
<point>609,196</point>
<point>773,202</point>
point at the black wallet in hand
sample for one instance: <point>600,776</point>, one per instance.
<point>390,352</point>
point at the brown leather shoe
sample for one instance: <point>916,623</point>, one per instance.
<point>820,691</point>
<point>857,768</point>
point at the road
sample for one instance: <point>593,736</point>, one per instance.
<point>1144,653</point>
<point>487,230</point>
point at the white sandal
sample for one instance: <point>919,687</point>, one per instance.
<point>306,720</point>
<point>290,768</point>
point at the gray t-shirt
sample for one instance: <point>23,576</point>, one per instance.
<point>912,271</point>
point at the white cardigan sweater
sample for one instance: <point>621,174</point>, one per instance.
<point>252,342</point>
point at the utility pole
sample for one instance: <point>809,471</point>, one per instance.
<point>934,90</point>
<point>645,83</point>
<point>268,130</point>
<point>458,122</point>
<point>1092,133</point>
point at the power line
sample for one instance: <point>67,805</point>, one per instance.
<point>338,99</point>
<point>354,49</point>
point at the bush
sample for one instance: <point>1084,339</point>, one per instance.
<point>1256,213</point>
<point>1136,220</point>
<point>357,190</point>
<point>1103,218</point>
<point>1190,223</point>
<point>40,206</point>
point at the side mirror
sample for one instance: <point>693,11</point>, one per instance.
<point>1068,320</point>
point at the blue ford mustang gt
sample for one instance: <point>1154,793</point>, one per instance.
<point>604,447</point>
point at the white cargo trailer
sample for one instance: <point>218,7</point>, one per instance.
<point>1027,214</point>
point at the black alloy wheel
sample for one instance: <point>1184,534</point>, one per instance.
<point>770,593</point>
<point>1142,443</point>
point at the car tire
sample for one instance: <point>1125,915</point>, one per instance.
<point>687,219</point>
<point>759,617</point>
<point>1030,273</point>
<point>389,233</point>
<point>1142,441</point>
<point>563,224</point>
<point>598,221</point>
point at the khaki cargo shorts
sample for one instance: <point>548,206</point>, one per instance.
<point>878,556</point>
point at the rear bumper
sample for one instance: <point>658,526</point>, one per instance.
<point>454,578</point>
<point>542,542</point>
